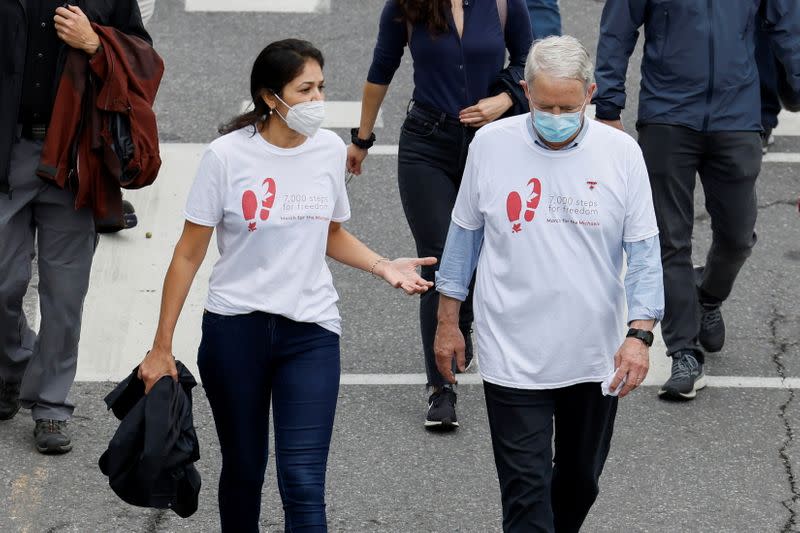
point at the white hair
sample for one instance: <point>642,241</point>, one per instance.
<point>561,57</point>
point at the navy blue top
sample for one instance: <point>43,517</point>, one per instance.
<point>451,74</point>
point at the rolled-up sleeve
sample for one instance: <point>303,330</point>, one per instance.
<point>460,257</point>
<point>644,280</point>
<point>392,39</point>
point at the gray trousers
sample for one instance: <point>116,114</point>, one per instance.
<point>43,216</point>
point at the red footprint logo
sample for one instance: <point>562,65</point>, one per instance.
<point>533,199</point>
<point>514,208</point>
<point>249,206</point>
<point>269,197</point>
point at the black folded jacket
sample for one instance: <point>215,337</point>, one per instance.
<point>150,459</point>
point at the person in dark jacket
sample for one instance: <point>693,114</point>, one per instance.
<point>699,112</point>
<point>460,84</point>
<point>36,371</point>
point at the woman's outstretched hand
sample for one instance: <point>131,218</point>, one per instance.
<point>402,273</point>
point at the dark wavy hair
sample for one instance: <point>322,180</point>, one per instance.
<point>277,64</point>
<point>432,13</point>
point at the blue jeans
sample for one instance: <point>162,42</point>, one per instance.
<point>244,361</point>
<point>545,18</point>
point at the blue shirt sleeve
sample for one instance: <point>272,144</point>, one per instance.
<point>392,39</point>
<point>644,280</point>
<point>460,257</point>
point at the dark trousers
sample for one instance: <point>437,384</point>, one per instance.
<point>728,164</point>
<point>431,159</point>
<point>244,361</point>
<point>38,216</point>
<point>542,491</point>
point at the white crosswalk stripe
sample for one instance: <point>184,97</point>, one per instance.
<point>110,353</point>
<point>788,125</point>
<point>268,6</point>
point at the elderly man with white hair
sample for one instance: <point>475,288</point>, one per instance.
<point>548,203</point>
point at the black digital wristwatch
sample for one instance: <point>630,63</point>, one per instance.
<point>641,334</point>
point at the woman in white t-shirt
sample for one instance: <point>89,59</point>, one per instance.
<point>273,187</point>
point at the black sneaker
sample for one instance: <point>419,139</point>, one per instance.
<point>9,400</point>
<point>767,140</point>
<point>712,328</point>
<point>442,409</point>
<point>686,379</point>
<point>52,437</point>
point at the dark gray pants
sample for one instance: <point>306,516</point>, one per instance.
<point>430,163</point>
<point>545,490</point>
<point>728,164</point>
<point>42,215</point>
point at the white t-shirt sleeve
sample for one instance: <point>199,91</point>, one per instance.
<point>466,212</point>
<point>204,206</point>
<point>640,217</point>
<point>341,207</point>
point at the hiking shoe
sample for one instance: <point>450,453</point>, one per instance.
<point>442,409</point>
<point>52,437</point>
<point>712,328</point>
<point>686,379</point>
<point>9,399</point>
<point>767,140</point>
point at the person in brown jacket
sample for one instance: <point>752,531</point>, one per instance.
<point>37,217</point>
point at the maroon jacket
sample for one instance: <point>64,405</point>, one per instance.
<point>103,133</point>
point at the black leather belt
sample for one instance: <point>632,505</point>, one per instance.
<point>34,132</point>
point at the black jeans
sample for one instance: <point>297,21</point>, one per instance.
<point>728,164</point>
<point>245,361</point>
<point>432,154</point>
<point>542,491</point>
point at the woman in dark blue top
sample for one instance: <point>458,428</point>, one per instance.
<point>460,84</point>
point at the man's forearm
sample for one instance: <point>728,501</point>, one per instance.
<point>448,310</point>
<point>647,325</point>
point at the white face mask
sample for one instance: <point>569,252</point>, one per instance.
<point>305,118</point>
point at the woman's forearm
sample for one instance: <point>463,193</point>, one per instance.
<point>370,106</point>
<point>186,260</point>
<point>348,250</point>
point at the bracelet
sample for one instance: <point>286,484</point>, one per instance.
<point>379,260</point>
<point>364,144</point>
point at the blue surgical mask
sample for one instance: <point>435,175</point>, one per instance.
<point>556,128</point>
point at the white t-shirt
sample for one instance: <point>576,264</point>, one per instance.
<point>271,208</point>
<point>548,298</point>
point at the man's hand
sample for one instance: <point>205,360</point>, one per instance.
<point>486,110</point>
<point>449,343</point>
<point>156,364</point>
<point>632,361</point>
<point>74,28</point>
<point>613,123</point>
